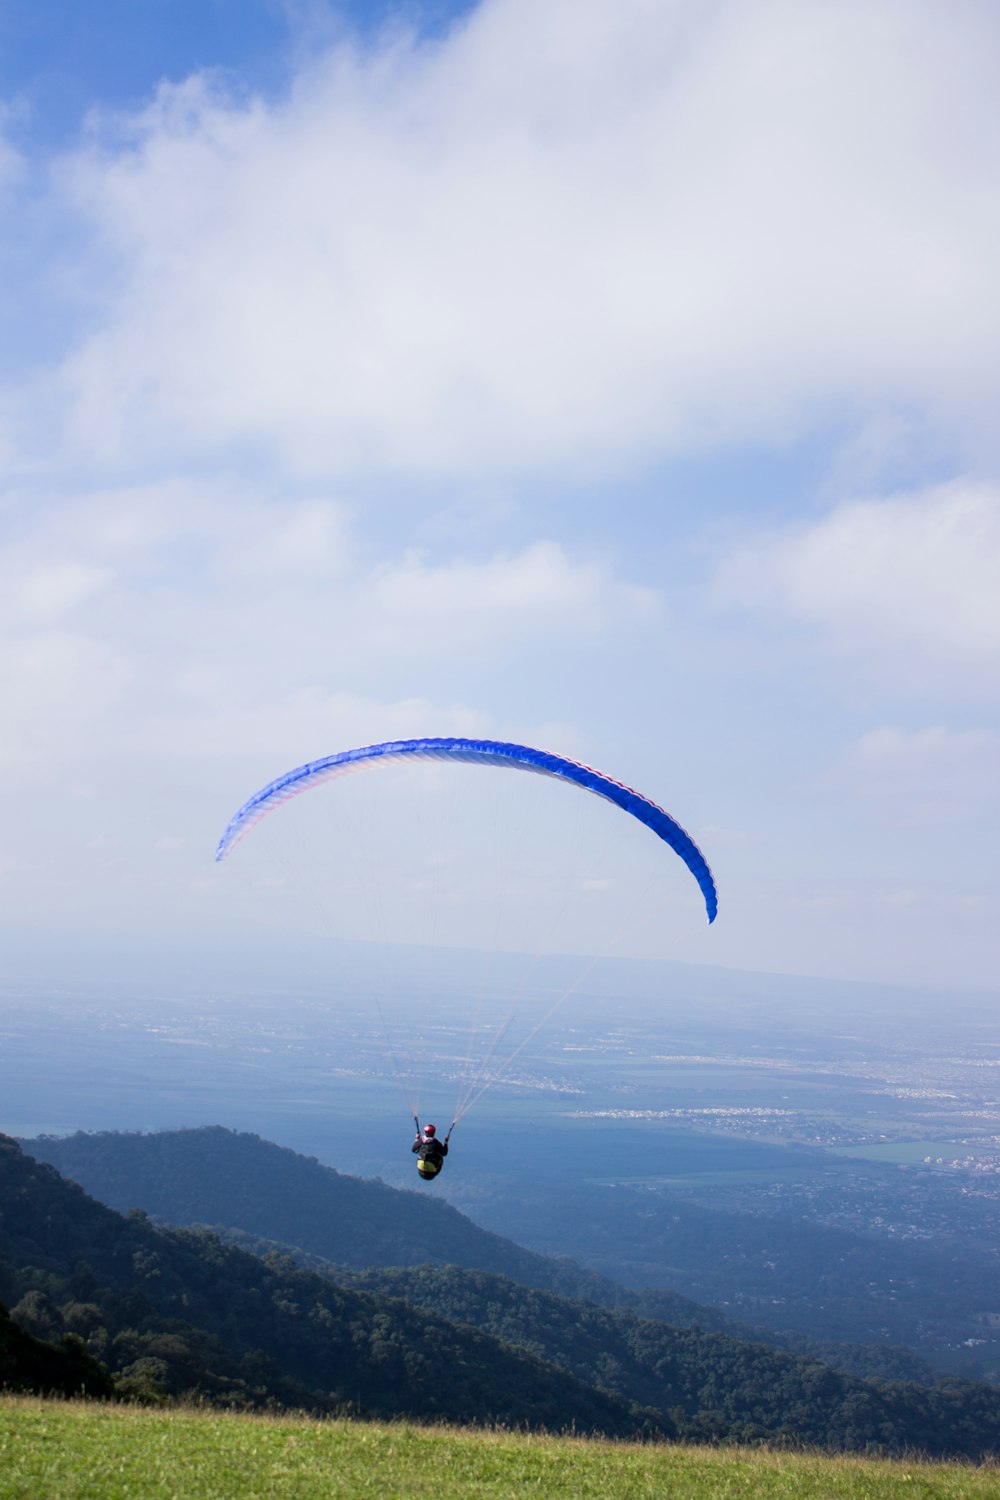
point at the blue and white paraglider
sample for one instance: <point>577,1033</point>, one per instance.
<point>484,753</point>
<point>504,756</point>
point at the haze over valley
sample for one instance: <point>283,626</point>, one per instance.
<point>734,1105</point>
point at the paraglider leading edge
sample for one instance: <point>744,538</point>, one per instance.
<point>482,752</point>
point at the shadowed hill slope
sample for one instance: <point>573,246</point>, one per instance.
<point>885,1362</point>
<point>304,1339</point>
<point>64,1369</point>
<point>224,1177</point>
<point>710,1384</point>
<point>264,1197</point>
<point>175,1311</point>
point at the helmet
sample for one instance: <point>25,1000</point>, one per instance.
<point>430,1130</point>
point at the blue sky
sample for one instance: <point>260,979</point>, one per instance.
<point>61,61</point>
<point>618,378</point>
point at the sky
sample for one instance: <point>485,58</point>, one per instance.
<point>618,378</point>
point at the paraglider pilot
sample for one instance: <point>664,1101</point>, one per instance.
<point>429,1150</point>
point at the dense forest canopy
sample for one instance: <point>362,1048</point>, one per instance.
<point>175,1311</point>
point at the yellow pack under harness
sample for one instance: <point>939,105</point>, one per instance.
<point>428,1167</point>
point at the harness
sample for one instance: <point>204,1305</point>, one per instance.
<point>430,1164</point>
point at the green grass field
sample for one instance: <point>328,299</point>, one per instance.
<point>55,1450</point>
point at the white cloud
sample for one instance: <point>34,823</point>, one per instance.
<point>927,776</point>
<point>306,539</point>
<point>57,689</point>
<point>165,650</point>
<point>293,724</point>
<point>518,593</point>
<point>229,625</point>
<point>570,234</point>
<point>52,590</point>
<point>909,582</point>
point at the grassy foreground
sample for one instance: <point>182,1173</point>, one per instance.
<point>54,1450</point>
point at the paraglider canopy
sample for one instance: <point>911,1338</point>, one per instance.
<point>490,1043</point>
<point>498,753</point>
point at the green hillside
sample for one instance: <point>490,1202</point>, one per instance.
<point>80,1451</point>
<point>225,1177</point>
<point>262,1196</point>
<point>867,1361</point>
<point>30,1364</point>
<point>173,1312</point>
<point>710,1385</point>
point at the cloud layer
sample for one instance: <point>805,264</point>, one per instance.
<point>569,236</point>
<point>445,393</point>
<point>931,775</point>
<point>145,620</point>
<point>908,582</point>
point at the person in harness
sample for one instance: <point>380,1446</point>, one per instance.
<point>429,1150</point>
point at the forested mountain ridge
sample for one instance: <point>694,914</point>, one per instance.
<point>64,1369</point>
<point>884,1362</point>
<point>263,1197</point>
<point>709,1383</point>
<point>176,1311</point>
<point>224,1177</point>
<point>678,1370</point>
